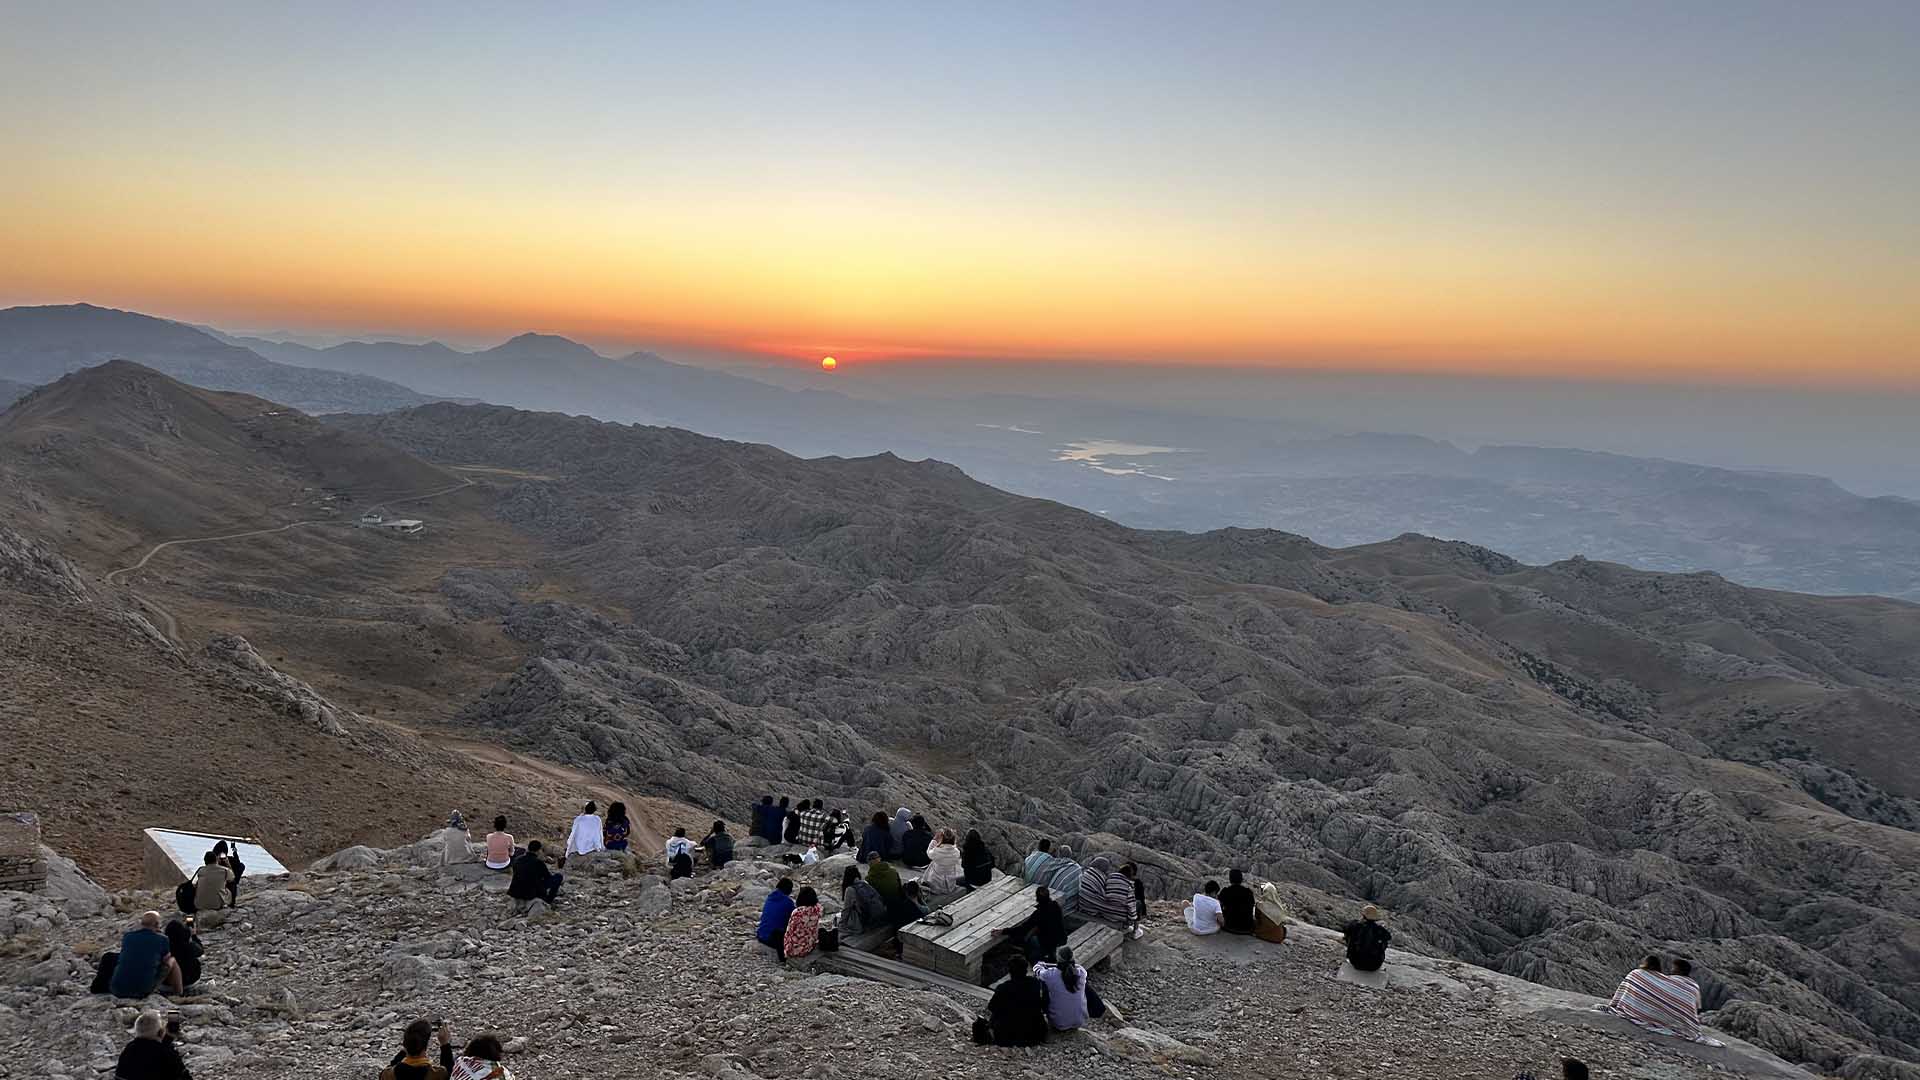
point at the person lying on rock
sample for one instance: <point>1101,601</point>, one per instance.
<point>915,842</point>
<point>500,849</point>
<point>412,1062</point>
<point>1070,1001</point>
<point>145,962</point>
<point>588,834</point>
<point>481,1060</point>
<point>719,845</point>
<point>774,916</point>
<point>803,926</point>
<point>1237,905</point>
<point>1041,932</point>
<point>680,851</point>
<point>876,841</point>
<point>532,879</point>
<point>1017,1013</point>
<point>861,906</point>
<point>151,1055</point>
<point>1203,911</point>
<point>1367,940</point>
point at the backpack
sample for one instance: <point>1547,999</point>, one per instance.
<point>183,896</point>
<point>103,976</point>
<point>722,850</point>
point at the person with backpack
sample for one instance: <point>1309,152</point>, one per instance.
<point>210,884</point>
<point>1367,940</point>
<point>679,854</point>
<point>862,908</point>
<point>719,846</point>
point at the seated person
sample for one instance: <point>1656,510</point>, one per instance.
<point>229,856</point>
<point>146,961</point>
<point>456,843</point>
<point>210,884</point>
<point>679,854</point>
<point>1367,940</point>
<point>1203,913</point>
<point>412,1062</point>
<point>500,850</point>
<point>912,906</point>
<point>185,948</point>
<point>915,842</point>
<point>588,834</point>
<point>1061,875</point>
<point>876,840</point>
<point>616,829</point>
<point>1042,851</point>
<point>943,865</point>
<point>1237,905</point>
<point>774,914</point>
<point>1070,1001</point>
<point>976,860</point>
<point>719,845</point>
<point>481,1060</point>
<point>151,1055</point>
<point>803,926</point>
<point>1017,1013</point>
<point>795,821</point>
<point>862,908</point>
<point>532,879</point>
<point>1662,1002</point>
<point>1044,930</point>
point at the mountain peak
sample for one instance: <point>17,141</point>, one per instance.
<point>544,345</point>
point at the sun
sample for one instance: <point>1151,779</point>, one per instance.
<point>828,363</point>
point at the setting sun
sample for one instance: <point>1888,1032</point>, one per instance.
<point>828,363</point>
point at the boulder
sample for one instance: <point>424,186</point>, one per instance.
<point>357,857</point>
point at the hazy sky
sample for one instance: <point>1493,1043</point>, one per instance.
<point>1698,190</point>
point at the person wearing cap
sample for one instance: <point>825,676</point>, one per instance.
<point>1367,940</point>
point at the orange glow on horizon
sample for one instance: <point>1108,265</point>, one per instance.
<point>828,363</point>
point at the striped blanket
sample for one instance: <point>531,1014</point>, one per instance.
<point>1663,1004</point>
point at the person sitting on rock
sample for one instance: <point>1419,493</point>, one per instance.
<point>1203,911</point>
<point>456,843</point>
<point>803,926</point>
<point>876,840</point>
<point>813,823</point>
<point>861,906</point>
<point>902,821</point>
<point>1131,872</point>
<point>185,948</point>
<point>588,834</point>
<point>1070,1001</point>
<point>1662,1002</point>
<point>942,874</point>
<point>719,845</point>
<point>229,856</point>
<point>915,842</point>
<point>1017,1013</point>
<point>500,849</point>
<point>1237,905</point>
<point>210,885</point>
<point>791,832</point>
<point>1042,851</point>
<point>893,892</point>
<point>1106,896</point>
<point>145,962</point>
<point>680,851</point>
<point>1061,875</point>
<point>1043,930</point>
<point>151,1055</point>
<point>976,861</point>
<point>481,1060</point>
<point>1367,940</point>
<point>772,931</point>
<point>533,879</point>
<point>761,821</point>
<point>616,832</point>
<point>412,1062</point>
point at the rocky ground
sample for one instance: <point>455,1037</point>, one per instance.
<point>314,976</point>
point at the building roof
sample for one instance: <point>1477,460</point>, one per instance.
<point>188,851</point>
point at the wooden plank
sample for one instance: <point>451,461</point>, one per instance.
<point>981,931</point>
<point>894,973</point>
<point>870,940</point>
<point>965,908</point>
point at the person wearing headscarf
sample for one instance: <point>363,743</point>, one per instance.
<point>914,845</point>
<point>456,842</point>
<point>976,862</point>
<point>902,821</point>
<point>942,874</point>
<point>616,829</point>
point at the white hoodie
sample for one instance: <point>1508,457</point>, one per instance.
<point>587,836</point>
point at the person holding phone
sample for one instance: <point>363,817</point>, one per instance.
<point>412,1062</point>
<point>151,1055</point>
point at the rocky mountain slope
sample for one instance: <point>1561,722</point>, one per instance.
<point>11,391</point>
<point>40,344</point>
<point>315,977</point>
<point>1547,771</point>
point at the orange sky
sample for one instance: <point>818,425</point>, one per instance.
<point>1232,229</point>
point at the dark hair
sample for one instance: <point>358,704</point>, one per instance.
<point>805,804</point>
<point>766,800</point>
<point>880,817</point>
<point>681,831</point>
<point>486,1048</point>
<point>616,813</point>
<point>785,885</point>
<point>1682,966</point>
<point>1069,976</point>
<point>1130,870</point>
<point>911,888</point>
<point>851,875</point>
<point>719,826</point>
<point>220,846</point>
<point>414,1040</point>
<point>1045,844</point>
<point>920,822</point>
<point>592,806</point>
<point>1212,887</point>
<point>807,897</point>
<point>212,857</point>
<point>1018,966</point>
<point>1573,1069</point>
<point>1043,895</point>
<point>533,846</point>
<point>500,823</point>
<point>783,802</point>
<point>1236,877</point>
<point>1653,963</point>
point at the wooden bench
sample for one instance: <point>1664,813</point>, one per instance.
<point>1092,943</point>
<point>894,973</point>
<point>958,951</point>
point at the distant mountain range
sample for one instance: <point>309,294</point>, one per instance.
<point>1152,468</point>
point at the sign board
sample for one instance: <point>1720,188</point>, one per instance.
<point>172,856</point>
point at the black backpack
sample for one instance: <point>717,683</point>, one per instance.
<point>183,896</point>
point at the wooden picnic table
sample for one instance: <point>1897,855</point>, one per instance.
<point>958,951</point>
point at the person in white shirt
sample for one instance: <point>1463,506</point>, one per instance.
<point>1203,915</point>
<point>680,849</point>
<point>588,835</point>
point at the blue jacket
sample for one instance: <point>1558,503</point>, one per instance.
<point>773,918</point>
